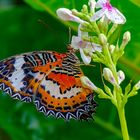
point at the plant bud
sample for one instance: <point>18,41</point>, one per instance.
<point>92,4</point>
<point>107,73</point>
<point>121,76</point>
<point>85,9</point>
<point>126,37</point>
<point>67,15</point>
<point>111,48</point>
<point>103,39</point>
<point>87,83</point>
<point>137,85</point>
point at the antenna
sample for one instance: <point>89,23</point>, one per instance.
<point>46,25</point>
<point>42,22</point>
<point>69,35</point>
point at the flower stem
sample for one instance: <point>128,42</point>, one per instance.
<point>121,113</point>
<point>117,99</point>
<point>110,62</point>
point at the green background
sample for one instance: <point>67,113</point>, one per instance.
<point>33,25</point>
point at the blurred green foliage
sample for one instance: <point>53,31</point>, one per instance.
<point>136,2</point>
<point>33,25</point>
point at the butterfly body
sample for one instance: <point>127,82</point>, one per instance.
<point>49,79</point>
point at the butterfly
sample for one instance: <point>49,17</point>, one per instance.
<point>50,80</point>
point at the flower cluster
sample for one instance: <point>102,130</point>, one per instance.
<point>84,41</point>
<point>96,25</point>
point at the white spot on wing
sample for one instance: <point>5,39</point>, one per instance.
<point>16,79</point>
<point>55,91</point>
<point>19,62</point>
<point>18,74</point>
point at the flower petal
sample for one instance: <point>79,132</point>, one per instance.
<point>86,59</point>
<point>81,33</point>
<point>92,47</point>
<point>75,42</point>
<point>96,47</point>
<point>100,3</point>
<point>98,15</point>
<point>115,16</point>
<point>66,15</point>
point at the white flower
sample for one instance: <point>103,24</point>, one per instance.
<point>66,15</point>
<point>78,44</point>
<point>109,12</point>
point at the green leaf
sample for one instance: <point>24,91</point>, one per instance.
<point>108,90</point>
<point>127,88</point>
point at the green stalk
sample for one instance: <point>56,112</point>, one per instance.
<point>117,98</point>
<point>110,62</point>
<point>121,113</point>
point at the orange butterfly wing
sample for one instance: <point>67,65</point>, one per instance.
<point>49,79</point>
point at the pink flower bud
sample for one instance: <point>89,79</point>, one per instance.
<point>66,15</point>
<point>87,83</point>
<point>121,76</point>
<point>108,75</point>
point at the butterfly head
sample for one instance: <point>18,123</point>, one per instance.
<point>71,49</point>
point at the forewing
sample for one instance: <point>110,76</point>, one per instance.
<point>21,75</point>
